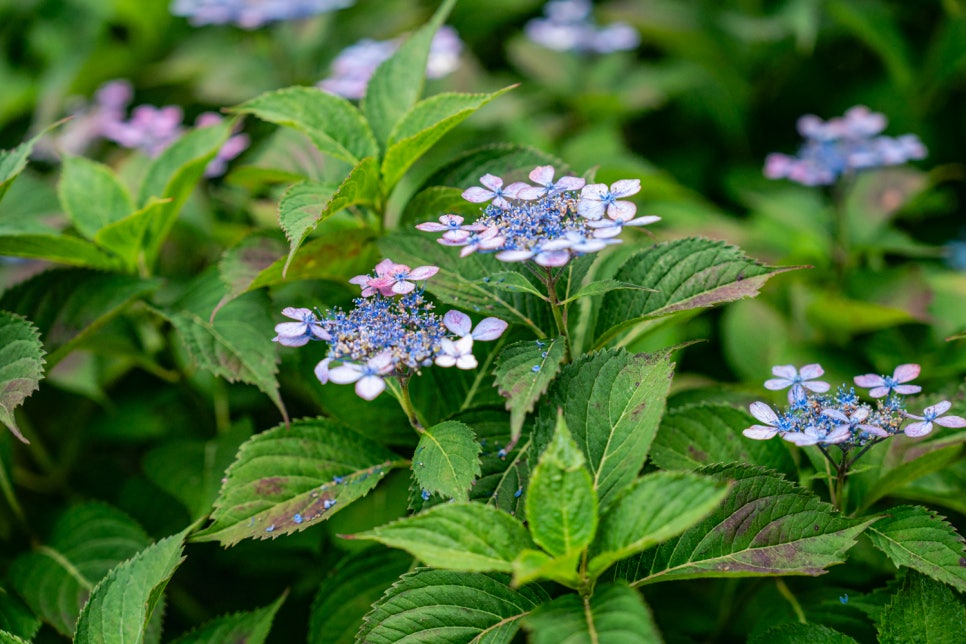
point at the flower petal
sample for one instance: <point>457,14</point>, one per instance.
<point>907,389</point>
<point>402,287</point>
<point>542,174</point>
<point>836,414</point>
<point>878,392</point>
<point>760,432</point>
<point>477,195</point>
<point>423,272</point>
<point>950,421</point>
<point>552,258</point>
<point>345,373</point>
<point>938,409</point>
<point>906,372</point>
<point>915,430</point>
<point>431,227</point>
<point>514,255</point>
<point>445,360</point>
<point>776,384</point>
<point>625,187</point>
<point>869,380</point>
<point>642,221</point>
<point>291,340</point>
<point>491,181</point>
<point>590,209</point>
<point>873,429</point>
<point>764,413</point>
<point>369,387</point>
<point>457,322</point>
<point>621,211</point>
<point>571,183</point>
<point>811,371</point>
<point>817,386</point>
<point>296,314</point>
<point>466,361</point>
<point>489,329</point>
<point>292,329</point>
<point>322,370</point>
<point>786,371</point>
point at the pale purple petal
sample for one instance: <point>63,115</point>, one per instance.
<point>860,414</point>
<point>878,392</point>
<point>951,421</point>
<point>455,237</point>
<point>514,189</point>
<point>291,328</point>
<point>906,372</point>
<point>776,384</point>
<point>492,182</point>
<point>621,211</point>
<point>431,227</point>
<point>907,389</point>
<point>590,209</point>
<point>915,430</point>
<point>322,370</point>
<point>571,183</point>
<point>642,221</point>
<point>291,340</point>
<point>489,329</point>
<point>838,435</point>
<point>423,272</point>
<point>531,193</point>
<point>817,386</point>
<point>786,371</point>
<point>477,195</point>
<point>801,438</point>
<point>625,187</point>
<point>606,232</point>
<point>811,371</point>
<point>873,429</point>
<point>542,174</point>
<point>760,432</point>
<point>345,373</point>
<point>938,409</point>
<point>381,362</point>
<point>869,380</point>
<point>594,191</point>
<point>560,243</point>
<point>836,414</point>
<point>457,322</point>
<point>553,258</point>
<point>514,255</point>
<point>764,413</point>
<point>451,220</point>
<point>385,267</point>
<point>369,387</point>
<point>295,314</point>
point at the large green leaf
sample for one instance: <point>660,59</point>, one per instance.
<point>923,611</point>
<point>60,249</point>
<point>398,82</point>
<point>920,539</point>
<point>250,627</point>
<point>504,475</point>
<point>612,402</point>
<point>13,162</point>
<point>289,478</point>
<point>684,274</point>
<point>457,536</point>
<point>57,577</point>
<point>657,507</point>
<point>16,618</point>
<point>561,503</point>
<point>424,125</point>
<point>121,605</point>
<point>21,366</point>
<point>447,460</point>
<point>451,607</point>
<point>766,526</point>
<point>305,205</point>
<point>523,373</point>
<point>614,614</point>
<point>350,590</point>
<point>125,237</point>
<point>801,634</point>
<point>332,123</point>
<point>92,195</point>
<point>70,305</point>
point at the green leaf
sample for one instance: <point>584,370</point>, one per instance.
<point>398,82</point>
<point>696,435</point>
<point>801,634</point>
<point>332,123</point>
<point>501,159</point>
<point>92,195</point>
<point>599,287</point>
<point>523,372</point>
<point>242,628</point>
<point>922,611</point>
<point>614,614</point>
<point>122,603</point>
<point>241,265</point>
<point>424,125</point>
<point>10,638</point>
<point>561,504</point>
<point>535,565</point>
<point>70,305</point>
<point>766,526</point>
<point>457,536</point>
<point>61,249</point>
<point>920,539</point>
<point>445,606</point>
<point>512,282</point>
<point>657,507</point>
<point>56,578</point>
<point>612,401</point>
<point>288,478</point>
<point>125,237</point>
<point>13,162</point>
<point>16,619</point>
<point>350,590</point>
<point>447,460</point>
<point>684,274</point>
<point>504,475</point>
<point>21,366</point>
<point>305,205</point>
<point>431,203</point>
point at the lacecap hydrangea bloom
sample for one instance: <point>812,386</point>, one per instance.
<point>569,26</point>
<point>393,332</point>
<point>816,417</point>
<point>841,146</point>
<point>549,223</point>
<point>251,14</point>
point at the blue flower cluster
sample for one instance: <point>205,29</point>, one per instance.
<point>815,417</point>
<point>251,14</point>
<point>569,26</point>
<point>841,146</point>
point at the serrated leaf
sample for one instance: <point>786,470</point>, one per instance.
<point>445,606</point>
<point>922,611</point>
<point>60,249</point>
<point>425,124</point>
<point>16,619</point>
<point>561,503</point>
<point>523,372</point>
<point>125,237</point>
<point>920,539</point>
<point>92,195</point>
<point>241,265</point>
<point>250,627</point>
<point>504,475</point>
<point>501,159</point>
<point>332,123</point>
<point>121,605</point>
<point>13,162</point>
<point>447,460</point>
<point>696,435</point>
<point>305,205</point>
<point>398,82</point>
<point>657,507</point>
<point>612,401</point>
<point>70,305</point>
<point>684,274</point>
<point>350,590</point>
<point>765,526</point>
<point>288,478</point>
<point>457,536</point>
<point>614,614</point>
<point>56,578</point>
<point>21,366</point>
<point>535,565</point>
<point>801,634</point>
<point>10,638</point>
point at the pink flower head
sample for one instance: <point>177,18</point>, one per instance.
<point>368,377</point>
<point>494,191</point>
<point>543,177</point>
<point>597,199</point>
<point>459,324</point>
<point>767,415</point>
<point>393,279</point>
<point>932,415</point>
<point>297,334</point>
<point>449,224</point>
<point>789,376</point>
<point>880,386</point>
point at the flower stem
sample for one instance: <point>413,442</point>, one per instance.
<point>399,388</point>
<point>559,310</point>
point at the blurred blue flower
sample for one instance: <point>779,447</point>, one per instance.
<point>251,14</point>
<point>569,26</point>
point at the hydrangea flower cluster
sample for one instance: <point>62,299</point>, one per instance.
<point>815,417</point>
<point>251,14</point>
<point>393,331</point>
<point>549,223</point>
<point>354,66</point>
<point>569,26</point>
<point>842,146</point>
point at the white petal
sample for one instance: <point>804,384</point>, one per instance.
<point>764,413</point>
<point>532,192</point>
<point>590,209</point>
<point>369,387</point>
<point>817,386</point>
<point>800,438</point>
<point>915,430</point>
<point>811,371</point>
<point>477,195</point>
<point>345,373</point>
<point>760,432</point>
<point>621,211</point>
<point>291,329</point>
<point>466,362</point>
<point>553,258</point>
<point>786,371</point>
<point>464,345</point>
<point>594,191</point>
<point>322,370</point>
<point>514,255</point>
<point>492,182</point>
<point>860,414</point>
<point>542,174</point>
<point>457,322</point>
<point>445,360</point>
<point>642,221</point>
<point>571,183</point>
<point>381,362</point>
<point>625,187</point>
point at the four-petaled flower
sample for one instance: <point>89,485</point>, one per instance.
<point>459,353</point>
<point>789,376</point>
<point>932,415</point>
<point>393,279</point>
<point>495,191</point>
<point>880,386</point>
<point>450,224</point>
<point>297,334</point>
<point>368,377</point>
<point>543,177</point>
<point>597,199</point>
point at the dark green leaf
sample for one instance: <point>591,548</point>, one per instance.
<point>240,628</point>
<point>433,202</point>
<point>802,634</point>
<point>504,475</point>
<point>523,373</point>
<point>599,287</point>
<point>447,460</point>
<point>16,618</point>
<point>614,614</point>
<point>61,249</point>
<point>286,479</point>
<point>92,195</point>
<point>923,611</point>
<point>502,159</point>
<point>21,366</point>
<point>13,162</point>
<point>125,237</point>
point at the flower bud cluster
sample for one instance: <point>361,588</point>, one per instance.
<point>816,417</point>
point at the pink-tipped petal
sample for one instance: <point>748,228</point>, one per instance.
<point>477,195</point>
<point>457,322</point>
<point>811,371</point>
<point>763,412</point>
<point>514,189</point>
<point>571,183</point>
<point>369,387</point>
<point>542,174</point>
<point>786,371</point>
<point>360,280</point>
<point>915,430</point>
<point>869,380</point>
<point>553,258</point>
<point>431,227</point>
<point>760,432</point>
<point>906,372</point>
<point>384,267</point>
<point>489,329</point>
<point>423,272</point>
